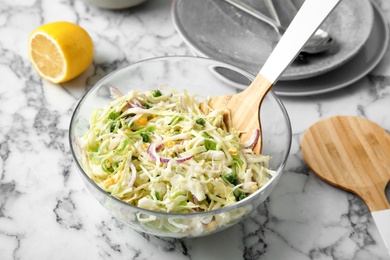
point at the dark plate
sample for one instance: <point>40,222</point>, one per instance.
<point>215,29</point>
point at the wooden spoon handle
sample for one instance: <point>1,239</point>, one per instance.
<point>297,34</point>
<point>309,17</point>
<point>382,219</point>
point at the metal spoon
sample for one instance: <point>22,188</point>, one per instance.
<point>245,106</point>
<point>319,42</point>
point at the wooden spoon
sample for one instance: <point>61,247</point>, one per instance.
<point>353,154</point>
<point>244,107</point>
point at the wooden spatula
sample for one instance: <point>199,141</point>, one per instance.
<point>353,154</point>
<point>244,107</point>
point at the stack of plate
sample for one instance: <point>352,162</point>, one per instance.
<point>215,29</point>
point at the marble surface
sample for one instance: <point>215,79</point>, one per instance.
<point>47,213</point>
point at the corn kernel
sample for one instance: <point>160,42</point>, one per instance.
<point>254,187</point>
<point>142,120</point>
<point>233,150</point>
<point>211,226</point>
<point>171,144</point>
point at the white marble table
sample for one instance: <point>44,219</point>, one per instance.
<point>47,213</point>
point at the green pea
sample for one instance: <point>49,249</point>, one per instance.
<point>242,196</point>
<point>115,125</point>
<point>230,178</point>
<point>210,145</point>
<point>114,115</point>
<point>157,93</point>
<point>112,127</point>
<point>200,121</point>
<point>145,137</point>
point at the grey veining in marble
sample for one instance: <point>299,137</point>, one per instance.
<point>45,210</point>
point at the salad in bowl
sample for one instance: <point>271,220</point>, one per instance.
<point>151,156</point>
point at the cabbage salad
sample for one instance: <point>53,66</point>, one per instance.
<point>159,151</point>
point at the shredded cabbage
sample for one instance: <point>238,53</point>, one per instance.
<point>160,152</point>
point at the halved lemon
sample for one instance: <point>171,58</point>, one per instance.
<point>60,51</point>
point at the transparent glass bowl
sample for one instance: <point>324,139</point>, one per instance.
<point>198,76</point>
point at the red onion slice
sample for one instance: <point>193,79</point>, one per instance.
<point>136,103</point>
<point>184,159</point>
<point>152,152</point>
<point>77,143</point>
<point>115,92</point>
<point>128,119</point>
<point>195,201</point>
<point>125,107</point>
<point>253,140</point>
<point>164,159</point>
<point>158,147</point>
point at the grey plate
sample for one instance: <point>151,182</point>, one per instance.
<point>220,31</point>
<point>361,64</point>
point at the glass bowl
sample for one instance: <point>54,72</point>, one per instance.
<point>198,76</point>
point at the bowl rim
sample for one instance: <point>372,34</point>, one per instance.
<point>172,214</point>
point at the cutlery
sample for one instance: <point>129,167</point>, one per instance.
<point>353,154</point>
<point>244,107</point>
<point>319,42</point>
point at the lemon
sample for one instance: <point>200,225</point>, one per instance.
<point>60,51</point>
